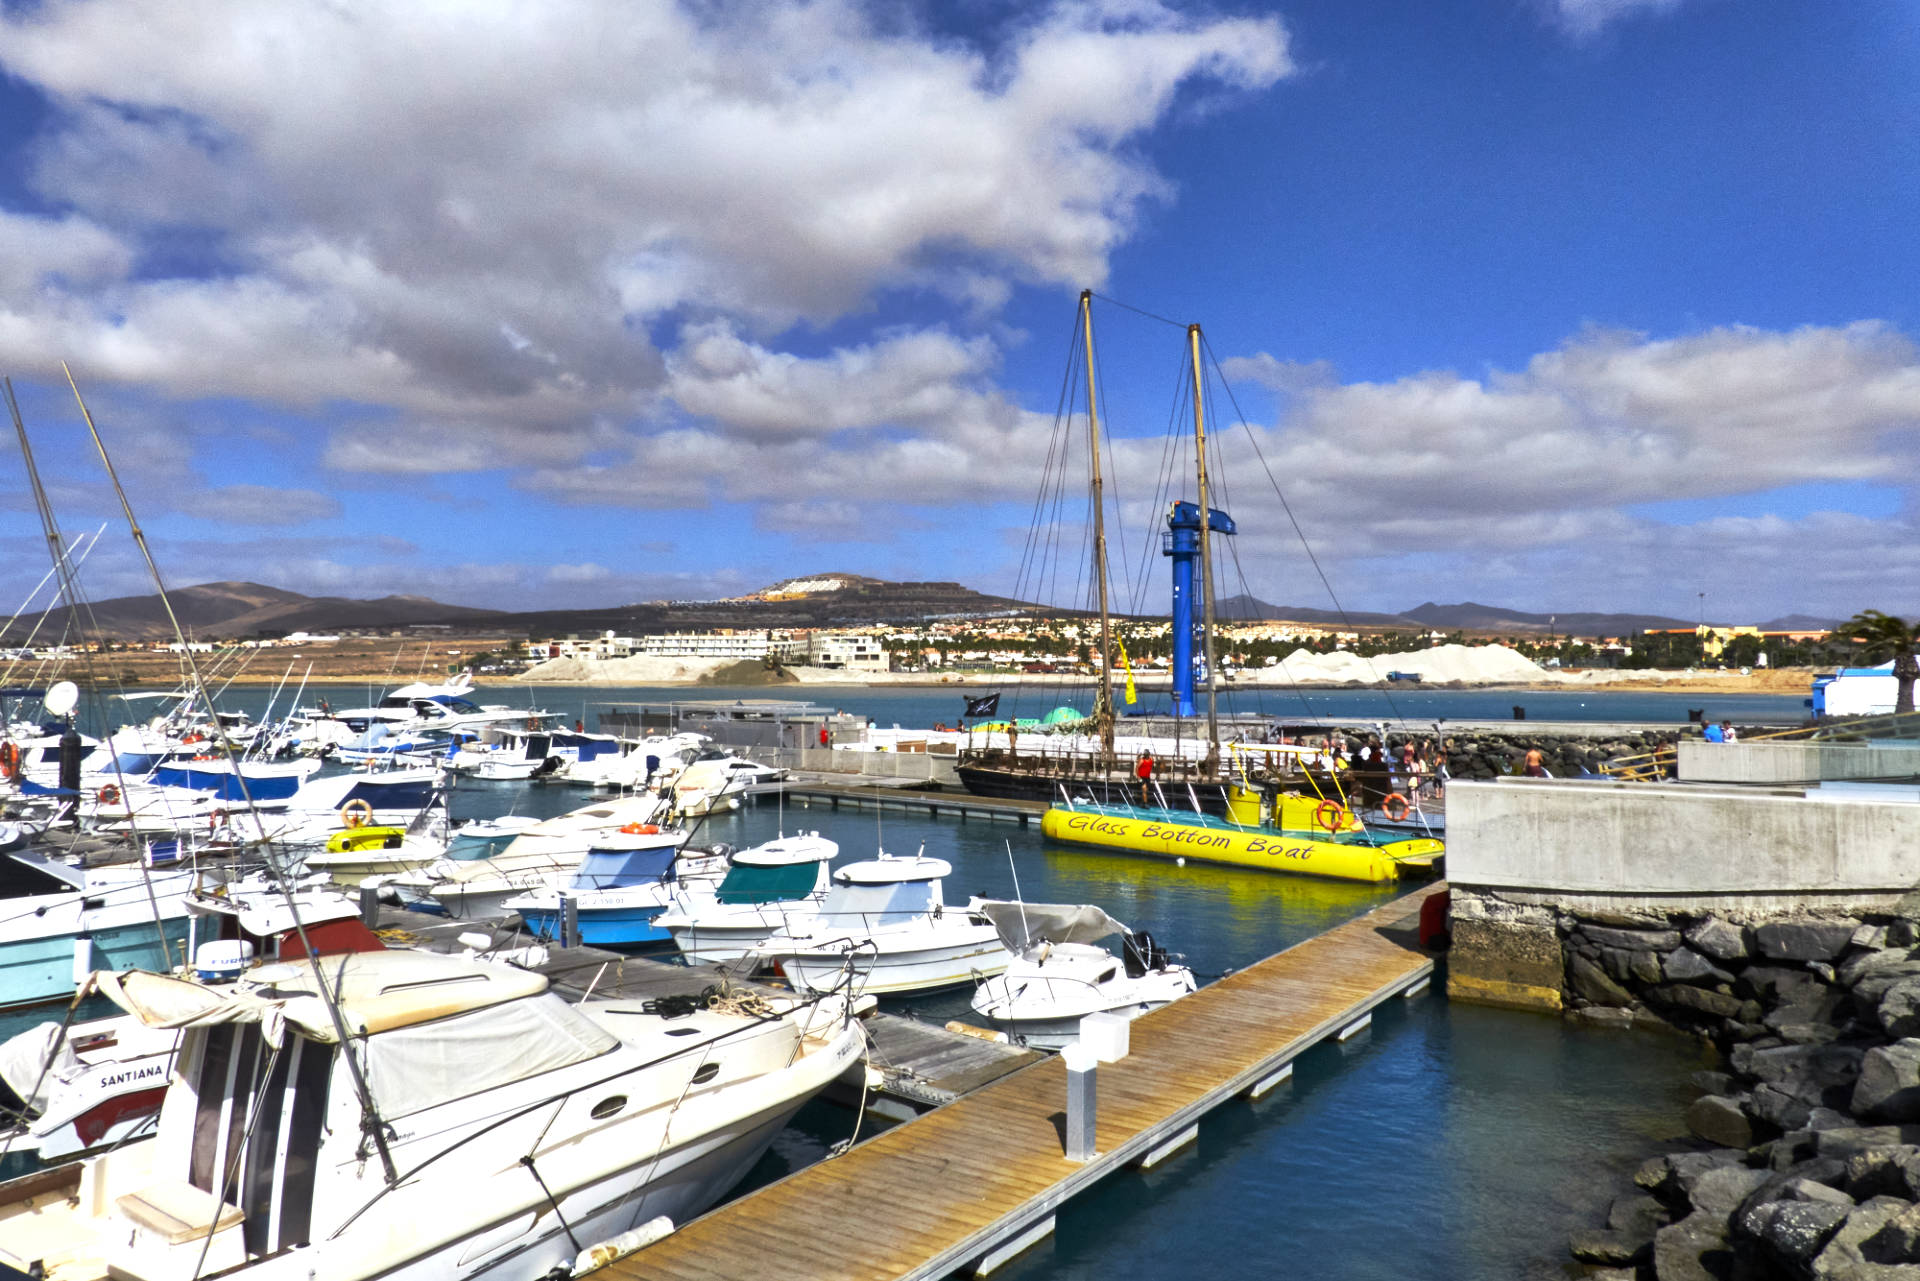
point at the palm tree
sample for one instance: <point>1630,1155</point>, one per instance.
<point>1882,636</point>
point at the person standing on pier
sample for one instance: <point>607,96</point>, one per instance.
<point>1143,770</point>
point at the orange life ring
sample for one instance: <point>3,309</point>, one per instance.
<point>107,795</point>
<point>647,829</point>
<point>1386,807</point>
<point>191,738</point>
<point>356,812</point>
<point>631,829</point>
<point>215,819</point>
<point>1330,815</point>
<point>10,759</point>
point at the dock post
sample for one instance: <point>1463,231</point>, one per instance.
<point>370,907</point>
<point>1082,1104</point>
<point>569,921</point>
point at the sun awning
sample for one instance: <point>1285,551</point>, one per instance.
<point>1021,925</point>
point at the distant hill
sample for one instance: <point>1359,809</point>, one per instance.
<point>1471,617</point>
<point>246,609</point>
<point>1244,608</point>
<point>1800,623</point>
<point>238,610</point>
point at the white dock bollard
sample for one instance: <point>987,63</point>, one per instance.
<point>1106,1036</point>
<point>1081,1102</point>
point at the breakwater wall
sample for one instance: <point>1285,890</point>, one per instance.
<point>1806,1160</point>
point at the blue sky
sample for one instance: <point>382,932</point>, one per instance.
<point>1555,304</point>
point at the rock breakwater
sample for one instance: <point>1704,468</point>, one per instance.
<point>1809,1130</point>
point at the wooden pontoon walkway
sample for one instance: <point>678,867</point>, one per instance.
<point>973,1181</point>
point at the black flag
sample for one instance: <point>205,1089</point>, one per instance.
<point>985,705</point>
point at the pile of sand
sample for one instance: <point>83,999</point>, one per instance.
<point>1462,664</point>
<point>645,669</point>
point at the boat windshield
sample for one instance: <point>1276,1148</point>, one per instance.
<point>851,906</point>
<point>607,869</point>
<point>413,1068</point>
<point>746,884</point>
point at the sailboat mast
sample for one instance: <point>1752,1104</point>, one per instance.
<point>1103,692</point>
<point>1206,551</point>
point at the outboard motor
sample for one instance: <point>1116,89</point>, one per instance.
<point>1137,951</point>
<point>549,767</point>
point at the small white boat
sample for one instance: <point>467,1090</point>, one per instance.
<point>482,1127</point>
<point>767,889</point>
<point>884,922</point>
<point>1060,974</point>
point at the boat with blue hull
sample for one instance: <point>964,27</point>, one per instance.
<point>624,883</point>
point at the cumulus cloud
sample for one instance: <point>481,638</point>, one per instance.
<point>1526,478</point>
<point>483,248</point>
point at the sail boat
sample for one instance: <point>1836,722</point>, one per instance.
<point>1106,778</point>
<point>1258,824</point>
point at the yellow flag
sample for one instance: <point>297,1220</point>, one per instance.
<point>1126,667</point>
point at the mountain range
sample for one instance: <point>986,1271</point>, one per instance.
<point>222,610</point>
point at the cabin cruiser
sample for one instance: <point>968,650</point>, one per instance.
<point>101,1082</point>
<point>1060,974</point>
<point>624,882</point>
<point>885,920</point>
<point>766,889</point>
<point>479,1126</point>
<point>542,856</point>
<point>423,705</point>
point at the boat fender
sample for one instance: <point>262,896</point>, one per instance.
<point>1386,807</point>
<point>10,760</point>
<point>615,1248</point>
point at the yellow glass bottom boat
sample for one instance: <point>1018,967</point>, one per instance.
<point>1300,834</point>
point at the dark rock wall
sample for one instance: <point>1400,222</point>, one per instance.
<point>1808,1156</point>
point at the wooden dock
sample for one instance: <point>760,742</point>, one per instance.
<point>956,803</point>
<point>973,1183</point>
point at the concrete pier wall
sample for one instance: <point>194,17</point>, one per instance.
<point>932,767</point>
<point>1702,762</point>
<point>1531,860</point>
<point>1587,846</point>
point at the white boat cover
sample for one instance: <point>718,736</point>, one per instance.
<point>24,1064</point>
<point>1021,925</point>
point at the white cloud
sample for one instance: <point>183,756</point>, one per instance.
<point>1582,19</point>
<point>468,216</point>
<point>264,505</point>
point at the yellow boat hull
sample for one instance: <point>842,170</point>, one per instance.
<point>1267,850</point>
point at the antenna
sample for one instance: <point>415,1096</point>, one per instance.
<point>1018,897</point>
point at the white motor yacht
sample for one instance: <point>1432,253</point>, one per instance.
<point>1060,974</point>
<point>884,921</point>
<point>767,889</point>
<point>480,1127</point>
